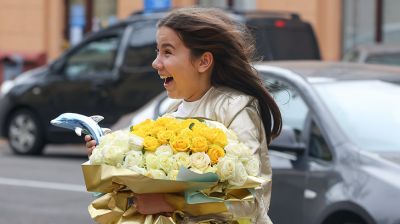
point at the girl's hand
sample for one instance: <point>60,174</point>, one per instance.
<point>90,144</point>
<point>149,204</point>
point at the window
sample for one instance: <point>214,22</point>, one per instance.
<point>293,108</point>
<point>318,147</point>
<point>95,58</point>
<point>141,49</point>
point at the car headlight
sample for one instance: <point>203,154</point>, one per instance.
<point>6,86</point>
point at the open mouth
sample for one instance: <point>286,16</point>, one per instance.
<point>167,79</point>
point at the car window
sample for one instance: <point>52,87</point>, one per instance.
<point>386,59</point>
<point>367,111</point>
<point>318,148</point>
<point>94,58</point>
<point>278,43</point>
<point>142,45</point>
<point>292,106</point>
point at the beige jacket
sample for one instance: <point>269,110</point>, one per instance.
<point>240,113</point>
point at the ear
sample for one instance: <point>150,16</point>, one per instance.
<point>205,62</point>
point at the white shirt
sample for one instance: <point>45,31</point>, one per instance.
<point>186,107</point>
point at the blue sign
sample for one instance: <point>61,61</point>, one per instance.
<point>77,15</point>
<point>156,5</point>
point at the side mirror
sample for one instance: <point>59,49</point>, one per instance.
<point>287,142</point>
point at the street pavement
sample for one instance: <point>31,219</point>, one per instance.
<point>47,189</point>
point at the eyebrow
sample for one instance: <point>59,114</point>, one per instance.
<point>167,45</point>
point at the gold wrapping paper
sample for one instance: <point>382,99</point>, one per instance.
<point>119,184</point>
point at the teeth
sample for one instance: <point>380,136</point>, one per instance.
<point>164,76</point>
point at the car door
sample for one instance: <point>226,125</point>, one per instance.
<point>85,79</point>
<point>321,175</point>
<point>289,170</point>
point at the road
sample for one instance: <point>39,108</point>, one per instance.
<point>44,189</point>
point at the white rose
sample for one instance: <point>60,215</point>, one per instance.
<point>200,160</point>
<point>164,150</point>
<point>97,157</point>
<point>216,124</point>
<point>156,174</point>
<point>137,169</point>
<point>238,150</point>
<point>133,158</point>
<point>252,166</point>
<point>167,163</point>
<point>151,161</point>
<point>114,146</point>
<point>136,142</point>
<point>182,159</point>
<point>173,174</point>
<point>226,168</point>
<point>239,176</point>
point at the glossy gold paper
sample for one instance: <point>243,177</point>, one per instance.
<point>119,185</point>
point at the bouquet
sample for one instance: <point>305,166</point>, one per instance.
<point>200,162</point>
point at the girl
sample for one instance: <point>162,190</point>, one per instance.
<point>204,59</point>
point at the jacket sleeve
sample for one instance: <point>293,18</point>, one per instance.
<point>248,126</point>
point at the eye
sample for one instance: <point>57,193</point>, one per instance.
<point>157,51</point>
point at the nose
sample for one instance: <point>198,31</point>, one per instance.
<point>157,63</point>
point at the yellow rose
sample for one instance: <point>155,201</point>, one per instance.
<point>209,133</point>
<point>150,143</point>
<point>165,136</point>
<point>220,138</point>
<point>215,152</point>
<point>180,143</point>
<point>165,121</point>
<point>199,144</point>
<point>187,133</point>
<point>173,125</point>
<point>140,133</point>
<point>190,123</point>
<point>157,129</point>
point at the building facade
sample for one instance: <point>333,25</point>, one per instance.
<point>49,26</point>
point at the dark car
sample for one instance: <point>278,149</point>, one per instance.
<point>110,74</point>
<point>337,160</point>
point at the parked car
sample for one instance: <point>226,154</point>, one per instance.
<point>337,159</point>
<point>110,73</point>
<point>387,54</point>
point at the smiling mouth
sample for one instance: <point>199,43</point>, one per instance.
<point>167,79</point>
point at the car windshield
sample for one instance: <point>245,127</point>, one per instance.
<point>368,111</point>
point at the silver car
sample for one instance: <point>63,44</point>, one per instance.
<point>337,160</point>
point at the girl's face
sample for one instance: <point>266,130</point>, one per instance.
<point>184,77</point>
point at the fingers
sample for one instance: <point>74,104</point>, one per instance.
<point>90,144</point>
<point>88,138</point>
<point>89,151</point>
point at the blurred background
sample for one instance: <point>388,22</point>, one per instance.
<point>91,57</point>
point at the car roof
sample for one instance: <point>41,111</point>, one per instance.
<point>311,70</point>
<point>246,14</point>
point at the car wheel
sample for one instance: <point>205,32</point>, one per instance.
<point>25,135</point>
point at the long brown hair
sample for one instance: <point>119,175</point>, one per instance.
<point>212,30</point>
